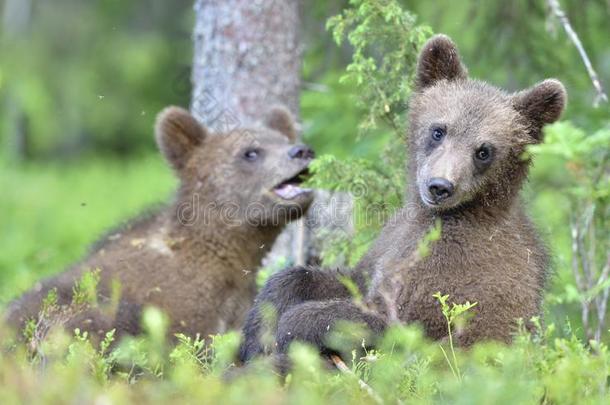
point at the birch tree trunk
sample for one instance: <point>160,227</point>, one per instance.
<point>247,58</point>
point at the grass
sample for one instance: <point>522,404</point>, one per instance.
<point>52,213</point>
<point>406,369</point>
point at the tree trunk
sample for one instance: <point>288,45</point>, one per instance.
<point>247,58</point>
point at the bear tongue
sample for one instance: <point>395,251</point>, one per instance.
<point>290,191</point>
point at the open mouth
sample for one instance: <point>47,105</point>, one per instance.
<point>290,189</point>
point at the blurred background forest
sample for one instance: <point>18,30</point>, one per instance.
<point>81,83</point>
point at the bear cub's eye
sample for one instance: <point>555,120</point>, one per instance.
<point>251,154</point>
<point>483,153</point>
<point>437,133</point>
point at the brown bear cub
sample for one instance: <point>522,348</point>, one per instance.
<point>466,166</point>
<point>197,259</point>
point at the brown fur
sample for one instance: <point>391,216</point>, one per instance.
<point>489,251</point>
<point>197,259</point>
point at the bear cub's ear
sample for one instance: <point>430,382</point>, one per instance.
<point>541,104</point>
<point>178,133</point>
<point>438,60</point>
<point>280,119</point>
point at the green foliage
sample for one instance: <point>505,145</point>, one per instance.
<point>385,40</point>
<point>100,360</point>
<point>54,314</point>
<point>147,354</point>
<point>585,156</point>
<point>331,114</point>
<point>579,174</point>
<point>84,291</point>
<point>434,234</point>
<point>452,314</point>
<point>406,367</point>
<point>376,189</point>
<point>192,351</point>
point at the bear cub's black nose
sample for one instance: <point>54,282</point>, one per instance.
<point>301,152</point>
<point>440,189</point>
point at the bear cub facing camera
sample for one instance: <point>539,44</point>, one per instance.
<point>197,259</point>
<point>466,165</point>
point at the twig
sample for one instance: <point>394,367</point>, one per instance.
<point>585,261</point>
<point>341,366</point>
<point>575,264</point>
<point>601,311</point>
<point>581,284</point>
<point>563,19</point>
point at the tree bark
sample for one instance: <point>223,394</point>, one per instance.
<point>247,58</point>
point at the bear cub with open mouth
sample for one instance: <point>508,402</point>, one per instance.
<point>197,259</point>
